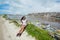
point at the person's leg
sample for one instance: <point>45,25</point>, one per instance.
<point>21,30</point>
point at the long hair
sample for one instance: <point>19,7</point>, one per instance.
<point>23,18</point>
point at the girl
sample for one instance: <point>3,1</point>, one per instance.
<point>23,25</point>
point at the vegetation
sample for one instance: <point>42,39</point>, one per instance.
<point>5,16</point>
<point>15,22</point>
<point>38,33</point>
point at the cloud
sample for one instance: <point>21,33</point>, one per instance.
<point>30,6</point>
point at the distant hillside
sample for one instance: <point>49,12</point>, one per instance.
<point>49,16</point>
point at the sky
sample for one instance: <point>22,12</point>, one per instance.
<point>28,6</point>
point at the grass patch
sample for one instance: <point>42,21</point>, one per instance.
<point>15,22</point>
<point>38,33</point>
